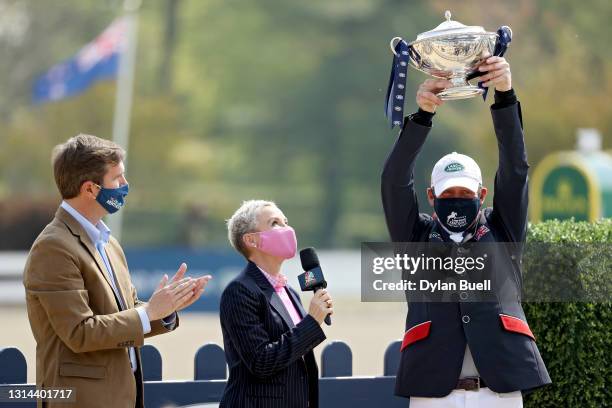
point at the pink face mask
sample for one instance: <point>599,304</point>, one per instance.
<point>279,242</point>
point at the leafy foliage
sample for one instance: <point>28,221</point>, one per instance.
<point>575,339</point>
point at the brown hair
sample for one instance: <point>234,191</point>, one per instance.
<point>83,158</point>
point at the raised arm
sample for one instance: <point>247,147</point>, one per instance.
<point>510,199</point>
<point>397,182</point>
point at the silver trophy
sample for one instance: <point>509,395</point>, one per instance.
<point>452,51</point>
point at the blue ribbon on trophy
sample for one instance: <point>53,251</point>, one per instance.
<point>404,53</point>
<point>396,90</point>
<point>504,39</point>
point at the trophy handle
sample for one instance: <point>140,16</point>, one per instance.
<point>509,31</point>
<point>393,43</point>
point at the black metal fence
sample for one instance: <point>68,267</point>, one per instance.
<point>337,386</point>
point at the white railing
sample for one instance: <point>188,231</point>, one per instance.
<point>11,272</point>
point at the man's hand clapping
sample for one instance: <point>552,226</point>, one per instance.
<point>176,294</point>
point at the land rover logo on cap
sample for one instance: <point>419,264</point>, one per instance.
<point>454,167</point>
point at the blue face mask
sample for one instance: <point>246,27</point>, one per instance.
<point>112,199</point>
<point>457,214</point>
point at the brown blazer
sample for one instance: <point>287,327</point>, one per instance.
<point>82,336</point>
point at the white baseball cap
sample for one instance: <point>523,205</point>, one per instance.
<point>456,170</point>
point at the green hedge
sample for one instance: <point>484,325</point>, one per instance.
<point>575,339</point>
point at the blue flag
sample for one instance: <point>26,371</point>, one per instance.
<point>98,60</point>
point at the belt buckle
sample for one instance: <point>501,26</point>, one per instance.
<point>477,383</point>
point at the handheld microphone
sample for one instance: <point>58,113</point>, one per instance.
<point>312,278</point>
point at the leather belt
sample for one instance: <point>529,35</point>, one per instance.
<point>470,384</point>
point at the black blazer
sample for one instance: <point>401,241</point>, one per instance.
<point>271,363</point>
<point>501,342</point>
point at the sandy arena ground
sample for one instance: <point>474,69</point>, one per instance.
<point>368,328</point>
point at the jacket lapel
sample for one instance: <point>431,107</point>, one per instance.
<point>77,230</point>
<point>121,274</point>
<point>275,301</point>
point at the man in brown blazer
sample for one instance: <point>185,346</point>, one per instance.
<point>84,312</point>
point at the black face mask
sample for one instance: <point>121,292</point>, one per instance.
<point>457,214</point>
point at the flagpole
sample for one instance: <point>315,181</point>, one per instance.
<point>123,101</point>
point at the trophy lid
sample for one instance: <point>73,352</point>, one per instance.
<point>450,27</point>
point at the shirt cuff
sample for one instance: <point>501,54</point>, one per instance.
<point>169,321</point>
<point>422,117</point>
<point>505,98</point>
<point>144,319</point>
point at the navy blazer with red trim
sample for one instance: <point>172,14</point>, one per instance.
<point>499,337</point>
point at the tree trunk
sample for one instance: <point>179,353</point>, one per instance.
<point>169,44</point>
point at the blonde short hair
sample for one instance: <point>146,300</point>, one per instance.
<point>243,222</point>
